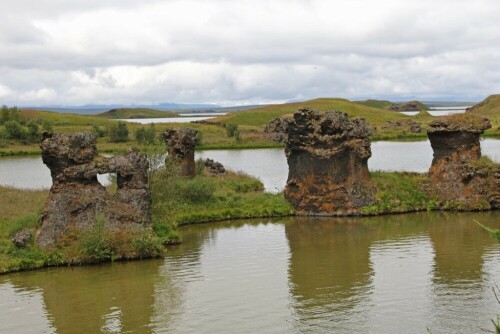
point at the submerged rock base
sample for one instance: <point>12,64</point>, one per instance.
<point>327,156</point>
<point>181,144</point>
<point>77,201</point>
<point>457,175</point>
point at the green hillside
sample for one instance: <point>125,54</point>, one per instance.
<point>61,119</point>
<point>126,113</point>
<point>489,107</point>
<point>259,117</point>
<point>379,104</point>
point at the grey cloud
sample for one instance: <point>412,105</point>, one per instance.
<point>124,51</point>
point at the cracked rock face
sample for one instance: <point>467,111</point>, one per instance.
<point>181,144</point>
<point>327,156</point>
<point>77,199</point>
<point>457,174</point>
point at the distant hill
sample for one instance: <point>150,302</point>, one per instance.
<point>488,107</point>
<point>126,113</point>
<point>393,106</point>
<point>92,109</point>
<point>408,106</point>
<point>379,104</point>
<point>259,117</point>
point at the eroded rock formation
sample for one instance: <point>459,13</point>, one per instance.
<point>277,129</point>
<point>457,175</point>
<point>181,144</point>
<point>327,156</point>
<point>77,200</point>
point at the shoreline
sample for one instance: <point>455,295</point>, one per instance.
<point>34,150</point>
<point>239,219</point>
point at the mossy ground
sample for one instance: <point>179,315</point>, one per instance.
<point>400,192</point>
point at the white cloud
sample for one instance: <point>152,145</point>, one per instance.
<point>222,51</point>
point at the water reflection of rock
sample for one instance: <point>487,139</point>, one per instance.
<point>116,298</point>
<point>459,246</point>
<point>335,263</point>
<point>329,270</point>
<point>461,285</point>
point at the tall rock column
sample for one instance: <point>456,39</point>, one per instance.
<point>457,176</point>
<point>327,157</point>
<point>181,144</point>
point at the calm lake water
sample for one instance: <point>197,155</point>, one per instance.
<point>267,164</point>
<point>392,274</point>
<point>184,119</point>
<point>440,111</point>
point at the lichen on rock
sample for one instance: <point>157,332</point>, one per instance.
<point>181,144</point>
<point>77,198</point>
<point>457,176</point>
<point>327,156</point>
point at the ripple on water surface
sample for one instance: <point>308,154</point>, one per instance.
<point>393,274</point>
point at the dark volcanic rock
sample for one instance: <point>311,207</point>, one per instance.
<point>181,144</point>
<point>457,177</point>
<point>327,157</point>
<point>214,167</point>
<point>277,129</point>
<point>77,199</point>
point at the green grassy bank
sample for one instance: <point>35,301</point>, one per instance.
<point>176,201</point>
<point>179,201</point>
<point>22,139</point>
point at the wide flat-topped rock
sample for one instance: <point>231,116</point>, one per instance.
<point>327,156</point>
<point>457,175</point>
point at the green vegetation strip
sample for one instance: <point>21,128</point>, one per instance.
<point>176,201</point>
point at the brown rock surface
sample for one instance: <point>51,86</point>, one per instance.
<point>457,176</point>
<point>277,129</point>
<point>327,156</point>
<point>77,199</point>
<point>181,144</point>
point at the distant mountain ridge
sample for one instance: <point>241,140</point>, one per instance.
<point>91,109</point>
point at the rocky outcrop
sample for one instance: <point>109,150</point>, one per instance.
<point>181,144</point>
<point>77,200</point>
<point>277,129</point>
<point>214,168</point>
<point>327,156</point>
<point>458,177</point>
<point>409,125</point>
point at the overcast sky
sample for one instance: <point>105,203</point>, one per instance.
<point>76,52</point>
